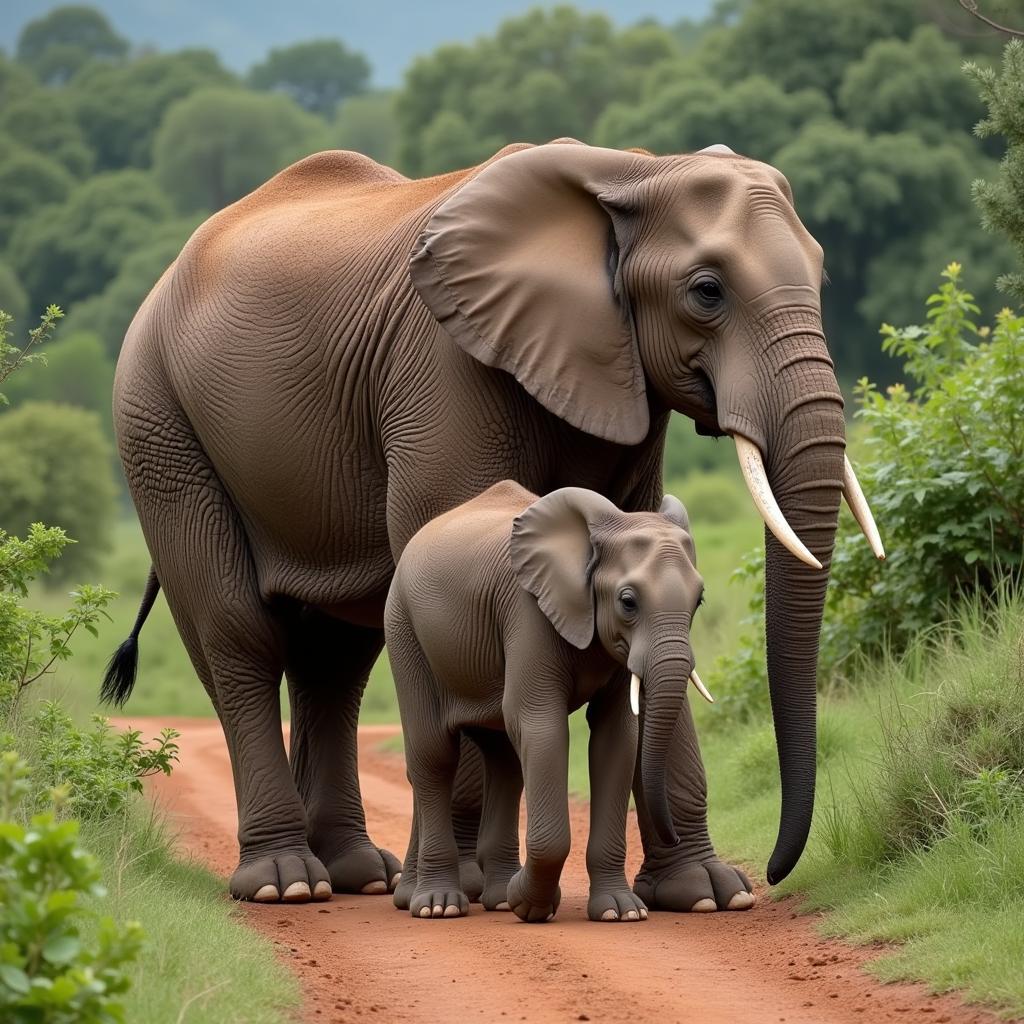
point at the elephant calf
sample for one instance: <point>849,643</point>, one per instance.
<point>490,623</point>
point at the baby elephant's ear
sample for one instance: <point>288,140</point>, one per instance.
<point>551,548</point>
<point>672,508</point>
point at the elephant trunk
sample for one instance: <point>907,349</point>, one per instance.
<point>668,665</point>
<point>803,443</point>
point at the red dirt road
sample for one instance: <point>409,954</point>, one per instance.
<point>359,959</point>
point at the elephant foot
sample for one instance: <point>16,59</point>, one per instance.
<point>361,868</point>
<point>530,901</point>
<point>693,886</point>
<point>296,877</point>
<point>438,900</point>
<point>404,890</point>
<point>471,879</point>
<point>495,893</point>
<point>615,904</point>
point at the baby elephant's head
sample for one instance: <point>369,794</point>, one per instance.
<point>632,578</point>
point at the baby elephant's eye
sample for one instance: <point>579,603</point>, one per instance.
<point>628,600</point>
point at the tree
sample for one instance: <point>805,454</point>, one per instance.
<point>15,81</point>
<point>61,42</point>
<point>803,44</point>
<point>13,297</point>
<point>120,106</point>
<point>77,371</point>
<point>318,75</point>
<point>55,467</point>
<point>77,246</point>
<point>910,85</point>
<point>28,181</point>
<point>754,116</point>
<point>218,144</point>
<point>108,313</point>
<point>367,125</point>
<point>42,120</point>
<point>546,74</point>
<point>1001,200</point>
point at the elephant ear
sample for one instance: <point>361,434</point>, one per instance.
<point>518,266</point>
<point>551,549</point>
<point>672,508</point>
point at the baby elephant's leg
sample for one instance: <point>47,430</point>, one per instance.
<point>432,763</point>
<point>498,842</point>
<point>613,735</point>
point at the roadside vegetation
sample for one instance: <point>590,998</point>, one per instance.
<point>100,923</point>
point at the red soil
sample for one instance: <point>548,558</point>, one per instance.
<point>360,959</point>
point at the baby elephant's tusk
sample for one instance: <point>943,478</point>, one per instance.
<point>701,688</point>
<point>634,694</point>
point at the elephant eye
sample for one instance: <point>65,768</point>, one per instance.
<point>707,293</point>
<point>628,601</point>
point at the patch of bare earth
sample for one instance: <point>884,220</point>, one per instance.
<point>359,959</point>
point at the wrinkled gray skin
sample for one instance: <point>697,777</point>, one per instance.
<point>505,615</point>
<point>297,397</point>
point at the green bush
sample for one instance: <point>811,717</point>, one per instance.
<point>100,768</point>
<point>939,461</point>
<point>48,973</point>
<point>55,466</point>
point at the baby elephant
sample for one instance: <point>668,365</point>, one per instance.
<point>505,614</point>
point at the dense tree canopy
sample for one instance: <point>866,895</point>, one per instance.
<point>109,157</point>
<point>218,144</point>
<point>318,75</point>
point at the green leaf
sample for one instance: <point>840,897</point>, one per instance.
<point>61,949</point>
<point>14,978</point>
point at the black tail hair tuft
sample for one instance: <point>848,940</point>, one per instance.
<point>119,680</point>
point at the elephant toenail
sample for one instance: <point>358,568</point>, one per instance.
<point>503,905</point>
<point>374,888</point>
<point>741,901</point>
<point>632,915</point>
<point>393,884</point>
<point>297,892</point>
<point>322,891</point>
<point>266,894</point>
<point>610,915</point>
<point>452,912</point>
<point>425,912</point>
<point>704,906</point>
<point>643,915</point>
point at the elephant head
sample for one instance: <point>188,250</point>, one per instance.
<point>614,285</point>
<point>633,578</point>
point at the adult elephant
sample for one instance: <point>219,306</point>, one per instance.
<point>299,394</point>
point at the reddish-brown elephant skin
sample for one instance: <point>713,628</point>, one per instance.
<point>344,354</point>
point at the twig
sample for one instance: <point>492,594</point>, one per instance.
<point>199,995</point>
<point>971,7</point>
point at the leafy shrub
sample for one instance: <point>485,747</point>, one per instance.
<point>48,973</point>
<point>32,643</point>
<point>99,767</point>
<point>940,466</point>
<point>55,467</point>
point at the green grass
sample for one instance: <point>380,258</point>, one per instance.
<point>919,826</point>
<point>200,963</point>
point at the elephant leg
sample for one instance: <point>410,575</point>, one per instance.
<point>467,801</point>
<point>498,844</point>
<point>432,765</point>
<point>236,645</point>
<point>612,754</point>
<point>327,663</point>
<point>407,880</point>
<point>689,876</point>
<point>543,743</point>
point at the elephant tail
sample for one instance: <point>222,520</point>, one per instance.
<point>119,679</point>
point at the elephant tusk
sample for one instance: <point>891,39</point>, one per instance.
<point>701,688</point>
<point>756,479</point>
<point>634,694</point>
<point>861,510</point>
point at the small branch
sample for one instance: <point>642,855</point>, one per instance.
<point>971,7</point>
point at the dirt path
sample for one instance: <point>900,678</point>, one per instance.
<point>360,959</point>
